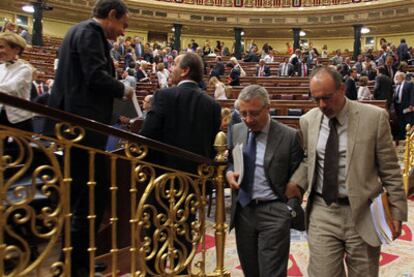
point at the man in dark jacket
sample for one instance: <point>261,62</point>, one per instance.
<point>383,89</point>
<point>350,86</point>
<point>185,117</point>
<point>85,85</point>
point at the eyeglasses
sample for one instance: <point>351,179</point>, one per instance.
<point>254,114</point>
<point>325,98</point>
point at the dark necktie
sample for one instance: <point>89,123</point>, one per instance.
<point>249,158</point>
<point>331,165</point>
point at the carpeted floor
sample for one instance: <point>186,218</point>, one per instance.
<point>397,259</point>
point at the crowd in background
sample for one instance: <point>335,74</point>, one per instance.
<point>139,62</point>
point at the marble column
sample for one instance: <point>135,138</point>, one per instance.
<point>177,37</point>
<point>357,41</point>
<point>37,36</point>
<point>238,46</point>
<point>296,38</point>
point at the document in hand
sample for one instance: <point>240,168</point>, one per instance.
<point>238,161</point>
<point>381,216</point>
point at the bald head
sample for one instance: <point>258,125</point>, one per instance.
<point>327,91</point>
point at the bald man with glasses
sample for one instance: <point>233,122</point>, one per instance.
<point>350,159</point>
<point>260,215</point>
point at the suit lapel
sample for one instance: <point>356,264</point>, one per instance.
<point>274,139</point>
<point>313,136</point>
<point>352,130</point>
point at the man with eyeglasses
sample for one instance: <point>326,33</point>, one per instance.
<point>271,153</point>
<point>350,159</point>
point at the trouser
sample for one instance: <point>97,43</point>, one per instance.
<point>263,238</point>
<point>334,243</point>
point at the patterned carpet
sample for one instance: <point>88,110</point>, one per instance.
<point>396,259</point>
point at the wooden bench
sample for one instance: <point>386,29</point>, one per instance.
<point>284,107</point>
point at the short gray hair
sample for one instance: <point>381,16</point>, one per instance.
<point>252,91</point>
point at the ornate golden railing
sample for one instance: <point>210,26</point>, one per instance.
<point>408,158</point>
<point>268,3</point>
<point>152,211</point>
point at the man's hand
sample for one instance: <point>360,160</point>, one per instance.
<point>232,178</point>
<point>397,228</point>
<point>292,190</point>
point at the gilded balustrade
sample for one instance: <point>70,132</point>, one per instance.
<point>408,157</point>
<point>167,207</point>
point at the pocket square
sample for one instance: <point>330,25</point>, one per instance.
<point>297,213</point>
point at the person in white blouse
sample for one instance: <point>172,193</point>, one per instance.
<point>363,91</point>
<point>219,88</point>
<point>15,80</point>
<point>162,75</point>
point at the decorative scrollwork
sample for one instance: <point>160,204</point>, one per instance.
<point>205,171</point>
<point>30,200</point>
<point>133,150</point>
<point>67,132</point>
<point>168,228</point>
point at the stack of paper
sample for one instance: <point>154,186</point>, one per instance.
<point>238,161</point>
<point>381,217</point>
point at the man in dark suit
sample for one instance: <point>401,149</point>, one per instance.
<point>234,77</point>
<point>369,72</point>
<point>38,87</point>
<point>139,48</point>
<point>350,87</point>
<point>301,68</point>
<point>286,68</point>
<point>85,85</point>
<point>389,67</point>
<point>402,50</point>
<point>404,103</point>
<point>383,89</point>
<point>185,117</point>
<point>271,153</point>
<point>252,56</point>
<point>262,70</point>
<point>218,69</point>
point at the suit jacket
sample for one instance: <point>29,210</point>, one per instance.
<point>383,89</point>
<point>218,69</point>
<point>266,71</point>
<point>185,117</point>
<point>407,97</point>
<point>283,155</point>
<point>84,82</point>
<point>371,164</point>
<point>299,69</point>
<point>251,57</point>
<point>351,89</point>
<point>290,70</point>
<point>141,76</point>
<point>392,73</point>
<point>371,74</point>
<point>34,91</point>
<point>235,77</point>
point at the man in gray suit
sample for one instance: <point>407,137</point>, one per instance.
<point>271,153</point>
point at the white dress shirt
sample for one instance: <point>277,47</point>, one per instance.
<point>341,127</point>
<point>16,80</point>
